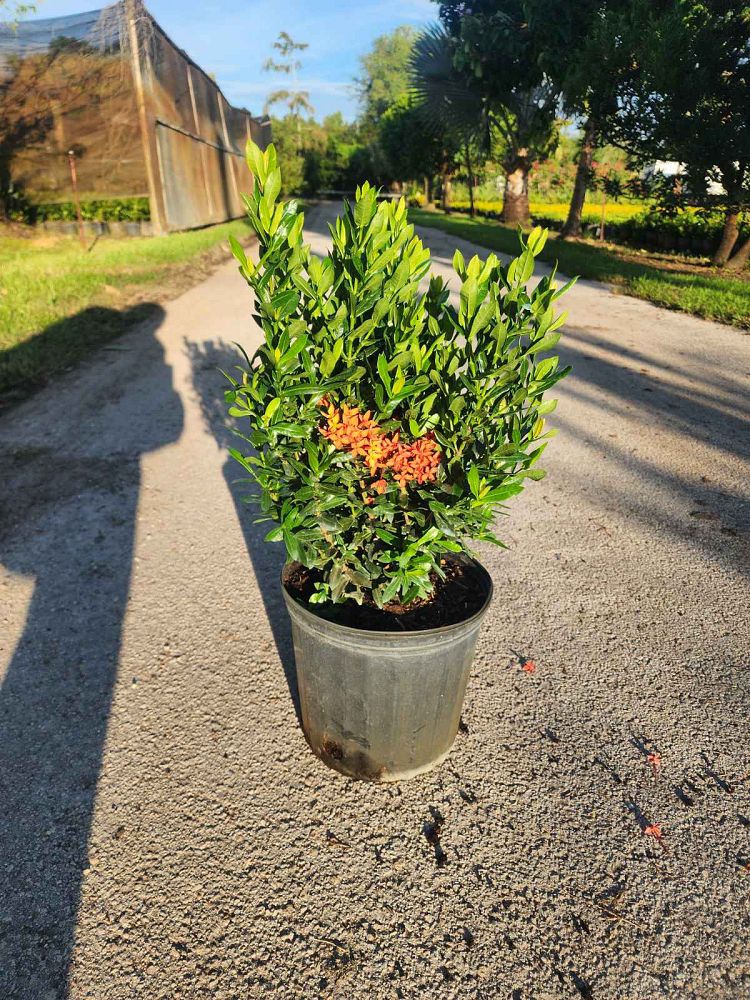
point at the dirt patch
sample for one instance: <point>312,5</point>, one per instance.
<point>173,280</point>
<point>37,478</point>
<point>457,597</point>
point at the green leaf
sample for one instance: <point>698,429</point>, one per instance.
<point>385,378</point>
<point>469,292</point>
<point>502,493</point>
<point>312,455</point>
<point>238,251</point>
<point>546,407</point>
<point>285,303</point>
<point>239,457</point>
<point>254,157</point>
<point>390,591</point>
<point>290,430</point>
<point>473,480</point>
<point>292,545</point>
<point>298,345</point>
<point>536,240</point>
<point>270,410</point>
<point>525,267</point>
<point>545,344</point>
<point>272,186</point>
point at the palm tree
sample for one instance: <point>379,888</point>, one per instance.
<point>519,118</point>
<point>297,101</point>
<point>451,111</point>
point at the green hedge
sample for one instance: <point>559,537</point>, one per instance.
<point>688,230</point>
<point>99,210</point>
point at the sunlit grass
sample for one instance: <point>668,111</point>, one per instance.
<point>46,283</point>
<point>710,295</point>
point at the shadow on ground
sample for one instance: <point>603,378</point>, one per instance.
<point>30,364</point>
<point>717,516</point>
<point>67,524</point>
<point>268,560</point>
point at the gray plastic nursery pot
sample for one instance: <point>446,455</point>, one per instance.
<point>382,706</point>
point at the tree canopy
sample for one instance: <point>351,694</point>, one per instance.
<point>494,80</point>
<point>385,79</point>
<point>687,98</point>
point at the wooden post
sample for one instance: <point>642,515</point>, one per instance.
<point>157,219</point>
<point>227,143</point>
<point>203,150</point>
<point>76,199</point>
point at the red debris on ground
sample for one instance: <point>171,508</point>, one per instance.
<point>528,666</point>
<point>654,830</point>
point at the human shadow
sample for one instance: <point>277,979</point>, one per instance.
<point>71,480</point>
<point>267,559</point>
<point>26,366</point>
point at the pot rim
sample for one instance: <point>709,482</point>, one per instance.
<point>414,634</point>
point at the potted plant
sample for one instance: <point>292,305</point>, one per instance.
<point>387,428</point>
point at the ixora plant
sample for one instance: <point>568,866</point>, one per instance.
<point>388,427</point>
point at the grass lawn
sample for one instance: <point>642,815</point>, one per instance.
<point>58,302</point>
<point>700,290</point>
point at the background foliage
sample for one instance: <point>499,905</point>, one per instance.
<point>565,100</point>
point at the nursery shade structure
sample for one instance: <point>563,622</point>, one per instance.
<point>141,117</point>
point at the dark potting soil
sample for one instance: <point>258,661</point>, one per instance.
<point>459,596</point>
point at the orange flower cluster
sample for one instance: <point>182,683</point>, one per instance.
<point>417,462</point>
<point>358,433</point>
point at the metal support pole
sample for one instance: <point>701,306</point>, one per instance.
<point>76,199</point>
<point>147,127</point>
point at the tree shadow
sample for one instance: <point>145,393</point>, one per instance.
<point>710,412</point>
<point>67,524</point>
<point>706,407</point>
<point>267,559</point>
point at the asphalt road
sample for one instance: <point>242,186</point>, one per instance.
<point>166,833</point>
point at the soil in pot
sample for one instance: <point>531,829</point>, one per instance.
<point>456,598</point>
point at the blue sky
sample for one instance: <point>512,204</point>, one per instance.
<point>232,38</point>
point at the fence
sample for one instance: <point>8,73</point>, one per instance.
<point>139,114</point>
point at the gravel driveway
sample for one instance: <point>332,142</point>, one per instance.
<point>165,832</point>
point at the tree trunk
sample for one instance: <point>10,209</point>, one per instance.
<point>516,198</point>
<point>740,259</point>
<point>445,190</point>
<point>728,238</point>
<point>572,225</point>
<point>470,172</point>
